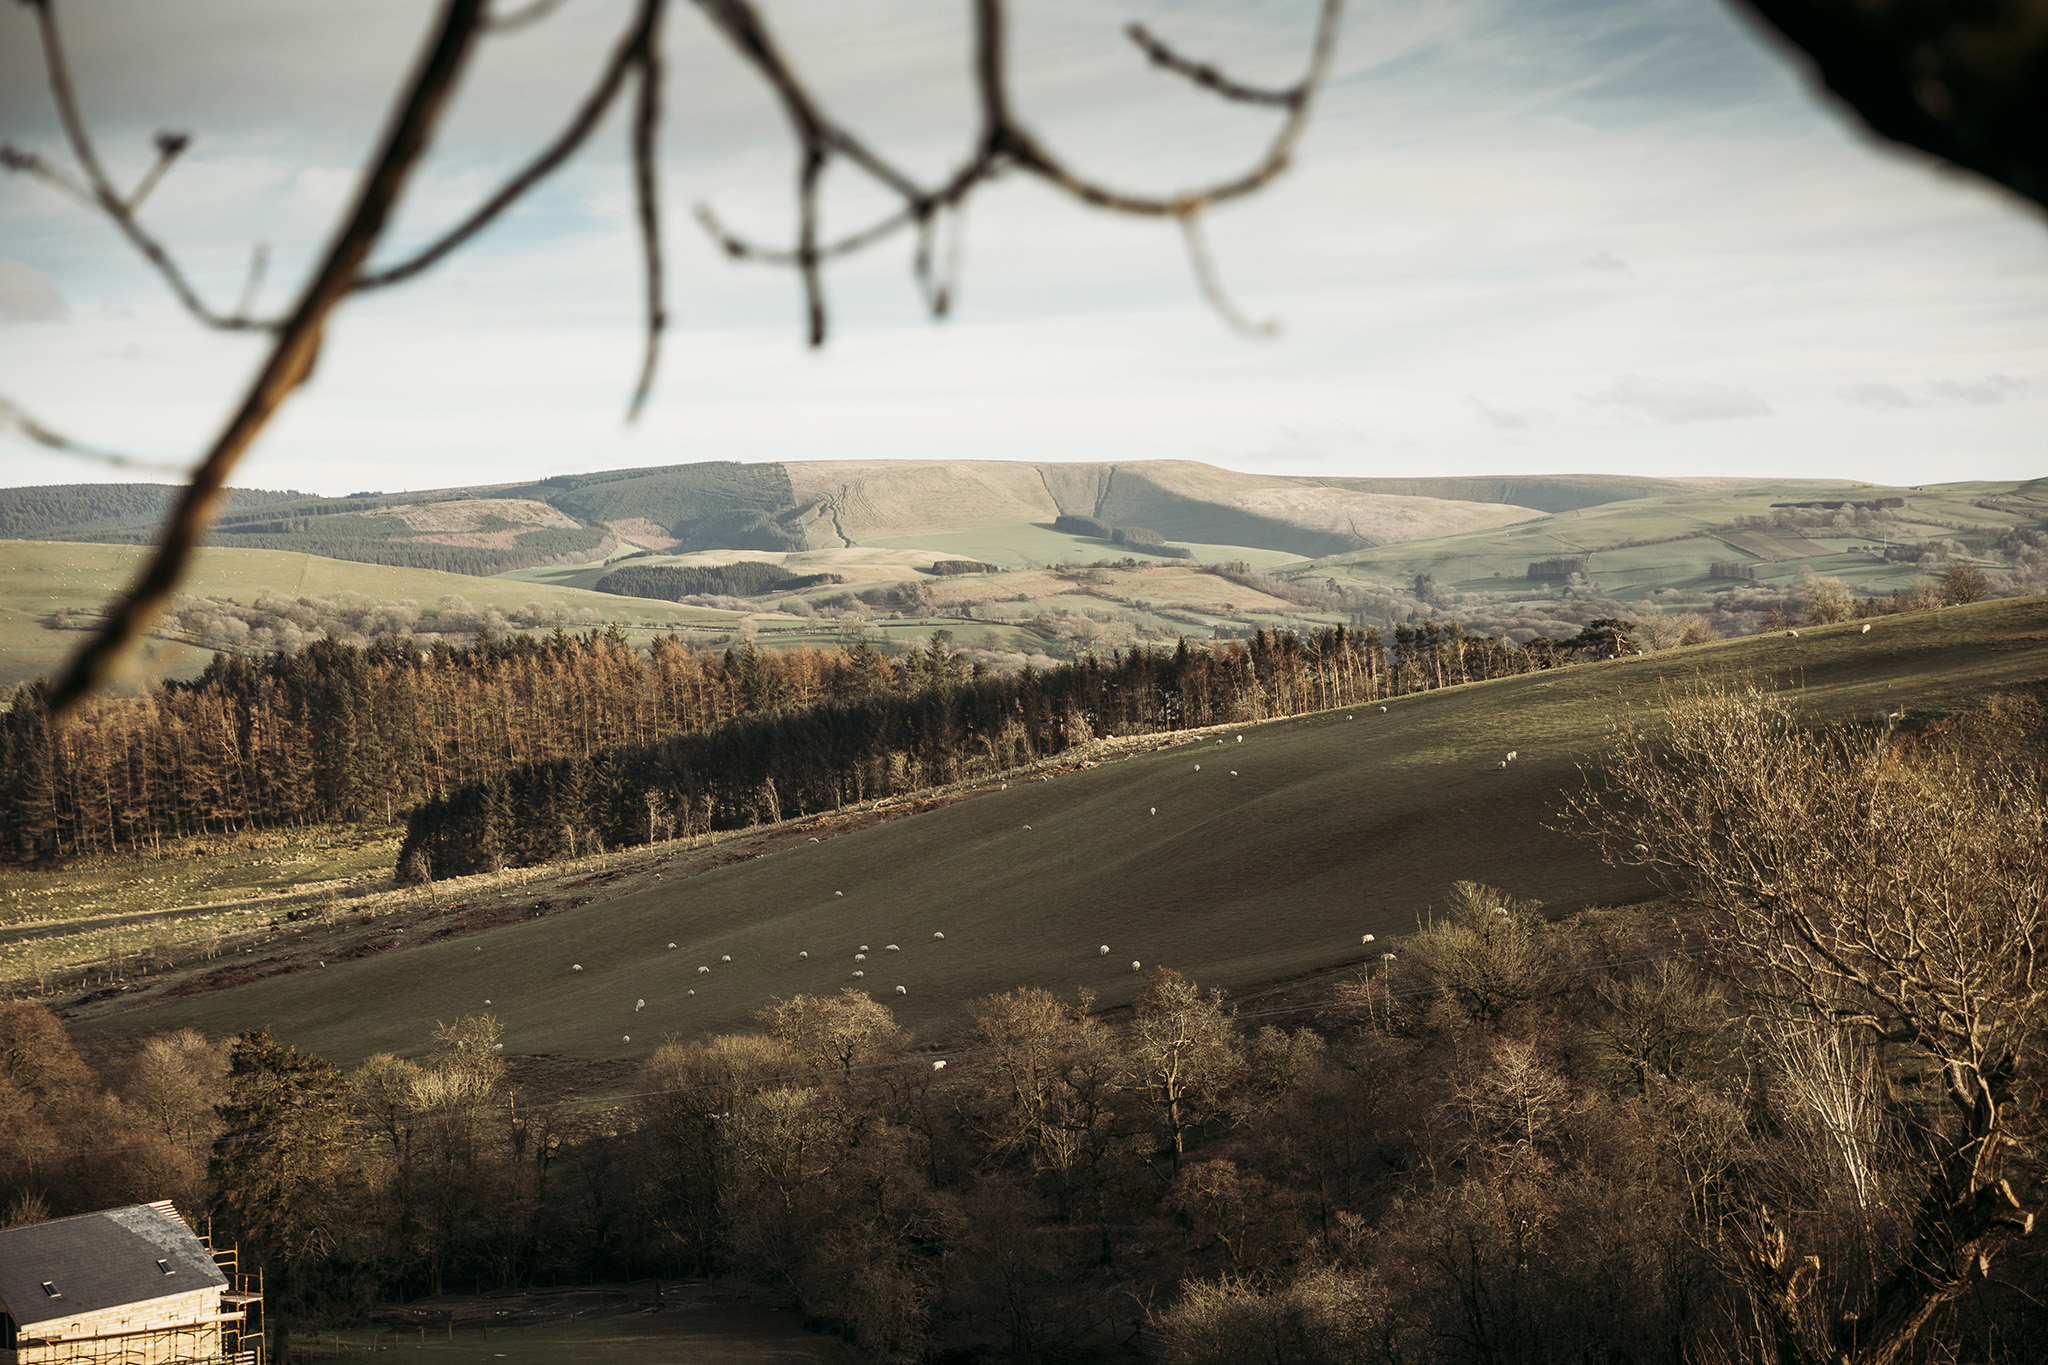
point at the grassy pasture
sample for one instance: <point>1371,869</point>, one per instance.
<point>1333,825</point>
<point>38,577</point>
<point>1497,560</point>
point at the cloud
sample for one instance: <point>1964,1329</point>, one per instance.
<point>1881,397</point>
<point>1607,261</point>
<point>1502,419</point>
<point>1679,401</point>
<point>1987,392</point>
<point>27,295</point>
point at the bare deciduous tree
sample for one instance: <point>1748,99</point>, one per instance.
<point>1897,896</point>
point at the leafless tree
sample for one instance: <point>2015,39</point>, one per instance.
<point>1001,142</point>
<point>1866,895</point>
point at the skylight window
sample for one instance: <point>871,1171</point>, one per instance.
<point>51,1290</point>
<point>165,1268</point>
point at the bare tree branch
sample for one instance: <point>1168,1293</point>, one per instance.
<point>100,190</point>
<point>646,193</point>
<point>625,58</point>
<point>524,17</point>
<point>1212,286</point>
<point>1208,77</point>
<point>1002,142</point>
<point>13,416</point>
<point>293,354</point>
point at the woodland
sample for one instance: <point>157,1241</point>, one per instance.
<point>1800,1126</point>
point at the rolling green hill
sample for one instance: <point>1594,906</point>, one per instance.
<point>1270,860</point>
<point>40,581</point>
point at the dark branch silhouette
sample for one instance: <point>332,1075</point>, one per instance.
<point>1001,143</point>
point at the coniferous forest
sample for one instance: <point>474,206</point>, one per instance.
<point>521,748</point>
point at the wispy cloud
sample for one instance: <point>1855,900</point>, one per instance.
<point>1881,397</point>
<point>1680,401</point>
<point>1987,392</point>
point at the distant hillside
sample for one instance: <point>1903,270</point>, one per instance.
<point>812,505</point>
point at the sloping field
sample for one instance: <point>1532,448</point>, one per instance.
<point>39,577</point>
<point>1613,536</point>
<point>1270,860</point>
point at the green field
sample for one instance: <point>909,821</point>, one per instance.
<point>1333,825</point>
<point>1496,561</point>
<point>39,577</point>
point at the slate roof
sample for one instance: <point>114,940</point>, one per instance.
<point>100,1260</point>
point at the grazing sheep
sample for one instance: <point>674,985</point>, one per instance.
<point>1136,967</point>
<point>938,935</point>
<point>801,956</point>
<point>903,990</point>
<point>838,893</point>
<point>1233,772</point>
<point>1240,739</point>
<point>1198,767</point>
<point>1366,939</point>
<point>497,1047</point>
<point>487,1002</point>
<point>863,947</point>
<point>1793,633</point>
<point>939,1065</point>
<point>1383,710</point>
<point>323,964</point>
<point>1641,849</point>
<point>1154,809</point>
<point>1503,764</point>
<point>726,958</point>
<point>1027,827</point>
<point>639,1005</point>
<point>858,975</point>
<point>577,968</point>
<point>628,1037</point>
<point>1103,951</point>
<point>702,970</point>
<point>1511,755</point>
<point>891,948</point>
<point>860,957</point>
<point>1865,630</point>
<point>671,945</point>
<point>693,992</point>
<point>1386,957</point>
<point>1351,718</point>
<point>814,838</point>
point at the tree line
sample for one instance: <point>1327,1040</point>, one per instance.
<point>535,743</point>
<point>1790,1116</point>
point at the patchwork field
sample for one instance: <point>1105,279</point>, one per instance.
<point>1239,861</point>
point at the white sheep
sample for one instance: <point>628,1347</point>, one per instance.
<point>1511,755</point>
<point>1137,967</point>
<point>838,893</point>
<point>801,956</point>
<point>1104,951</point>
<point>858,975</point>
<point>702,970</point>
<point>863,947</point>
<point>1233,772</point>
<point>860,957</point>
<point>693,992</point>
<point>627,1037</point>
<point>671,945</point>
<point>1383,710</point>
<point>1154,809</point>
<point>939,1065</point>
<point>938,935</point>
<point>1865,630</point>
<point>487,1002</point>
<point>1366,939</point>
<point>1240,739</point>
<point>726,957</point>
<point>1351,718</point>
<point>639,1005</point>
<point>577,967</point>
<point>1027,827</point>
<point>891,948</point>
<point>1793,633</point>
<point>1386,957</point>
<point>903,990</point>
<point>1502,764</point>
<point>1198,767</point>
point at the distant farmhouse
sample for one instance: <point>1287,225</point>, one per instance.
<point>127,1286</point>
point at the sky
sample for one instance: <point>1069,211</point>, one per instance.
<point>1544,236</point>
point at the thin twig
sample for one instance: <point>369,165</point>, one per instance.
<point>168,148</point>
<point>646,193</point>
<point>13,416</point>
<point>1212,285</point>
<point>102,192</point>
<point>1208,77</point>
<point>14,158</point>
<point>291,358</point>
<point>584,122</point>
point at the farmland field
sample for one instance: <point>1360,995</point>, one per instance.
<point>1266,861</point>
